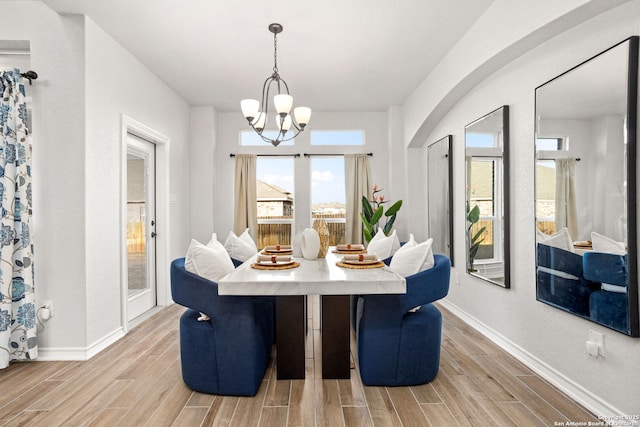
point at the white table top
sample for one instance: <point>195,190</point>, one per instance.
<point>314,277</point>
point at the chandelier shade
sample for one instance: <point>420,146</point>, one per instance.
<point>256,112</point>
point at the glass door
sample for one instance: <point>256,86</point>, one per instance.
<point>141,256</point>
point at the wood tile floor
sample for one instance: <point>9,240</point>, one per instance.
<point>137,382</point>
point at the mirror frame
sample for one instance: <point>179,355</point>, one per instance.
<point>506,247</point>
<point>631,161</point>
<point>447,141</point>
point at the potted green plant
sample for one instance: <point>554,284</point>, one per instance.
<point>473,239</point>
<point>373,211</point>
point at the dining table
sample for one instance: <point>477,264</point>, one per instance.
<point>328,277</point>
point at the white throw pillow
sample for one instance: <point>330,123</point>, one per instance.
<point>560,239</point>
<point>540,236</point>
<point>413,258</point>
<point>213,241</point>
<point>383,246</point>
<point>211,262</point>
<point>246,237</point>
<point>239,248</point>
<point>605,244</point>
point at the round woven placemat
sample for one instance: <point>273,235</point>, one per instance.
<point>275,267</point>
<point>344,264</point>
<point>350,251</point>
<point>265,252</point>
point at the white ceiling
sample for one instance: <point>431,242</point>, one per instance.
<point>336,55</point>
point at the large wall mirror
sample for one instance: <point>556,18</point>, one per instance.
<point>440,179</point>
<point>487,197</point>
<point>586,189</point>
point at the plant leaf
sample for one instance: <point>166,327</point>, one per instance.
<point>478,234</point>
<point>366,208</point>
<point>474,215</point>
<point>389,225</point>
<point>473,251</point>
<point>367,235</point>
<point>377,215</point>
<point>365,223</point>
<point>394,208</point>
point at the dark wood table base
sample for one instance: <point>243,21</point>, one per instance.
<point>291,330</point>
<point>336,355</point>
<point>291,323</point>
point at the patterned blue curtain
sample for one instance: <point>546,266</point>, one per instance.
<point>17,299</point>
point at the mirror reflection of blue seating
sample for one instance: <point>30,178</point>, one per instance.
<point>560,280</point>
<point>229,353</point>
<point>606,307</point>
<point>397,347</point>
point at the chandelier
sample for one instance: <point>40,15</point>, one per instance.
<point>256,112</point>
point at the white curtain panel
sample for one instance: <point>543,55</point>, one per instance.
<point>246,205</point>
<point>566,215</point>
<point>357,184</point>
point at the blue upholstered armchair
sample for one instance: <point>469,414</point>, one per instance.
<point>229,353</point>
<point>608,306</point>
<point>397,347</point>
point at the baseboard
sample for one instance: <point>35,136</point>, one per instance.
<point>47,354</point>
<point>574,390</point>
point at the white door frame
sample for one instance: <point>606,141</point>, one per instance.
<point>163,294</point>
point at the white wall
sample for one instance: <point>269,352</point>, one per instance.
<point>57,48</point>
<point>552,339</point>
<point>86,81</point>
<point>376,142</point>
<point>203,143</point>
<point>116,84</point>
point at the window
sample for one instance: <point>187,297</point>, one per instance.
<point>546,180</point>
<point>551,144</point>
<point>249,137</point>
<point>275,198</point>
<point>328,195</point>
<point>484,191</point>
<point>481,140</point>
<point>337,137</point>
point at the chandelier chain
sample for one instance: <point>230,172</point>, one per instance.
<point>275,53</point>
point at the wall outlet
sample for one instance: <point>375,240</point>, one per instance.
<point>48,304</point>
<point>596,341</point>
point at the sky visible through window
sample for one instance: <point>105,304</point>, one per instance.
<point>473,139</point>
<point>327,176</point>
<point>327,180</point>
<point>276,171</point>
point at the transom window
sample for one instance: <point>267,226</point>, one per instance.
<point>337,137</point>
<point>551,144</point>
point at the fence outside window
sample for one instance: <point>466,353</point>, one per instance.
<point>277,230</point>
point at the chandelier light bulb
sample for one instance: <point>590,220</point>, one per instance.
<point>259,121</point>
<point>283,123</point>
<point>250,108</point>
<point>302,115</point>
<point>283,103</point>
